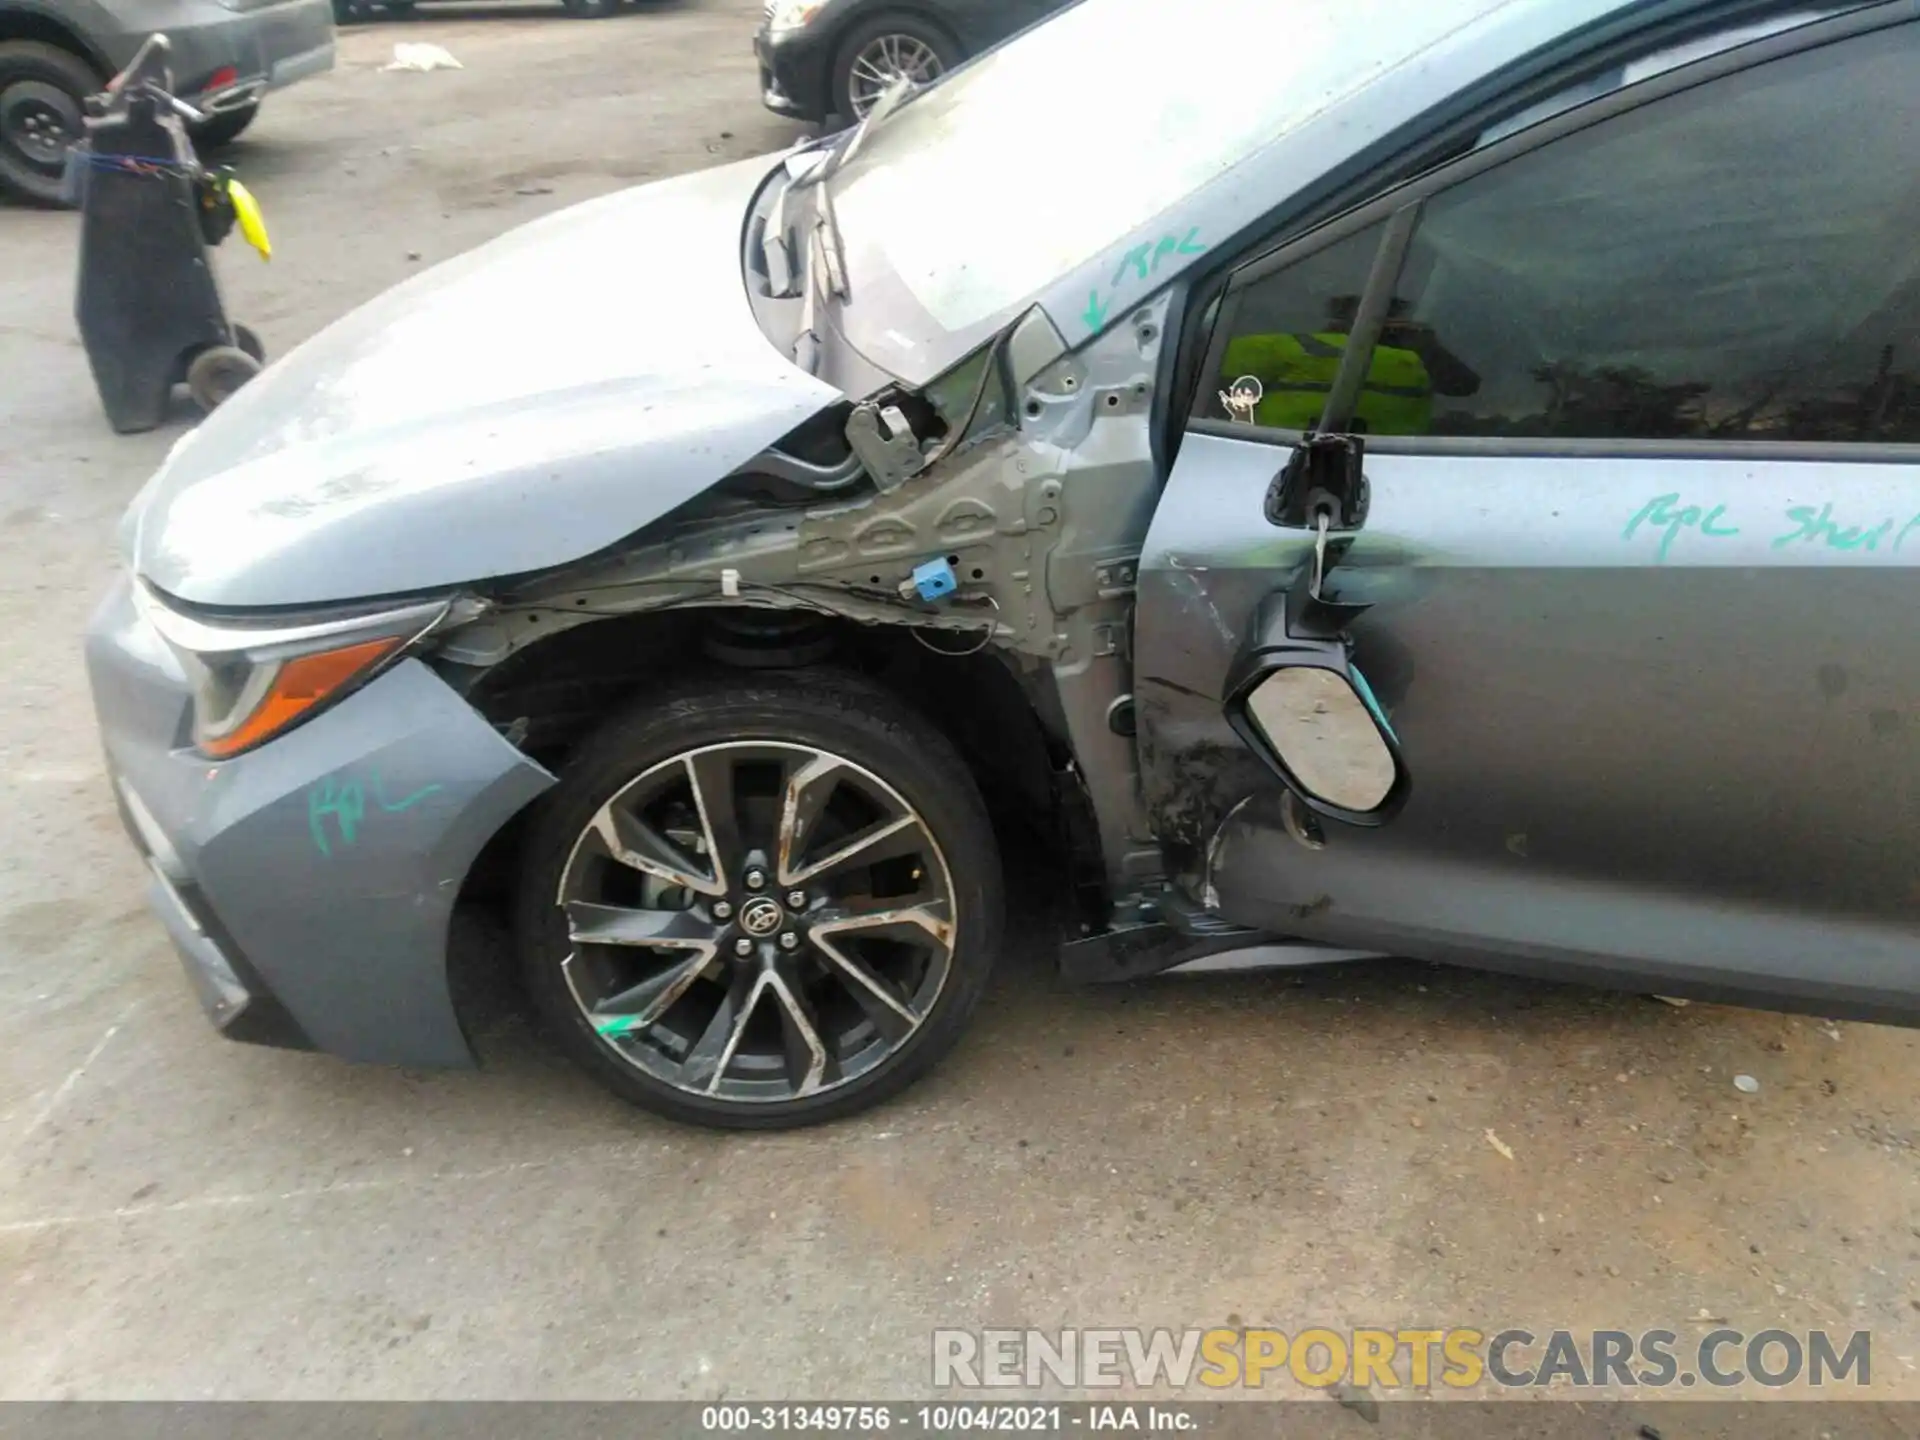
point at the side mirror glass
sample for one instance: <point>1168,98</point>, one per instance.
<point>1327,741</point>
<point>1309,713</point>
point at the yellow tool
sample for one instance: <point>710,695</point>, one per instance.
<point>253,225</point>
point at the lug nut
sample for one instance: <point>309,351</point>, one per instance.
<point>797,899</point>
<point>789,940</point>
<point>743,946</point>
<point>755,879</point>
<point>721,910</point>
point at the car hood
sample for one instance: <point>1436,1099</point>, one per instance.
<point>527,404</point>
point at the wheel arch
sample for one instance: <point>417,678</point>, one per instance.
<point>549,696</point>
<point>20,22</point>
<point>927,16</point>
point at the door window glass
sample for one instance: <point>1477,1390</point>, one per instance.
<point>1739,261</point>
<point>1285,334</point>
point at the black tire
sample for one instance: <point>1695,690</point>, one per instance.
<point>943,47</point>
<point>247,340</point>
<point>591,9</point>
<point>828,711</point>
<point>217,373</point>
<point>223,129</point>
<point>43,91</point>
<point>398,9</point>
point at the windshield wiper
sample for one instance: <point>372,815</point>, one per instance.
<point>806,344</point>
<point>844,151</point>
<point>826,269</point>
<point>827,256</point>
<point>833,250</point>
<point>774,250</point>
<point>890,100</point>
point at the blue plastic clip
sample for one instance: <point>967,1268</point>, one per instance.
<point>934,579</point>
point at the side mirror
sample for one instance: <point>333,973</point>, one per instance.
<point>1302,706</point>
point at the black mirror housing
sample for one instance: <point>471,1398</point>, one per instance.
<point>1325,476</point>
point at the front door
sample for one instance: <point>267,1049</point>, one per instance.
<point>1643,433</point>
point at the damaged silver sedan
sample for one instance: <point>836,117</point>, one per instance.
<point>1432,484</point>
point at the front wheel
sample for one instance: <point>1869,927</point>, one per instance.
<point>761,902</point>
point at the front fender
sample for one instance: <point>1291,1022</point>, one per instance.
<point>335,859</point>
<point>325,864</point>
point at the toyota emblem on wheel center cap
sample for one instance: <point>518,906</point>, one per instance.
<point>760,916</point>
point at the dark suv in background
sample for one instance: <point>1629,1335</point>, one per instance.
<point>226,55</point>
<point>822,59</point>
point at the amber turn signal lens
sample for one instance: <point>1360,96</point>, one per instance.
<point>299,685</point>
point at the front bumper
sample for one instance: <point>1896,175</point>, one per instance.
<point>796,73</point>
<point>308,885</point>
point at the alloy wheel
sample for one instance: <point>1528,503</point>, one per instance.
<point>757,921</point>
<point>885,59</point>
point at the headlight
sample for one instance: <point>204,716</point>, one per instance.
<point>792,14</point>
<point>242,702</point>
<point>253,682</point>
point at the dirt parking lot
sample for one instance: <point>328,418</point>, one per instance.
<point>1379,1145</point>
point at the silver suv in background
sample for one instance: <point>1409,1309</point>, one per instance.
<point>226,55</point>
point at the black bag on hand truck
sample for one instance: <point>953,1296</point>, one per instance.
<point>148,305</point>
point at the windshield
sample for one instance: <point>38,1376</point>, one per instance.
<point>1032,160</point>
